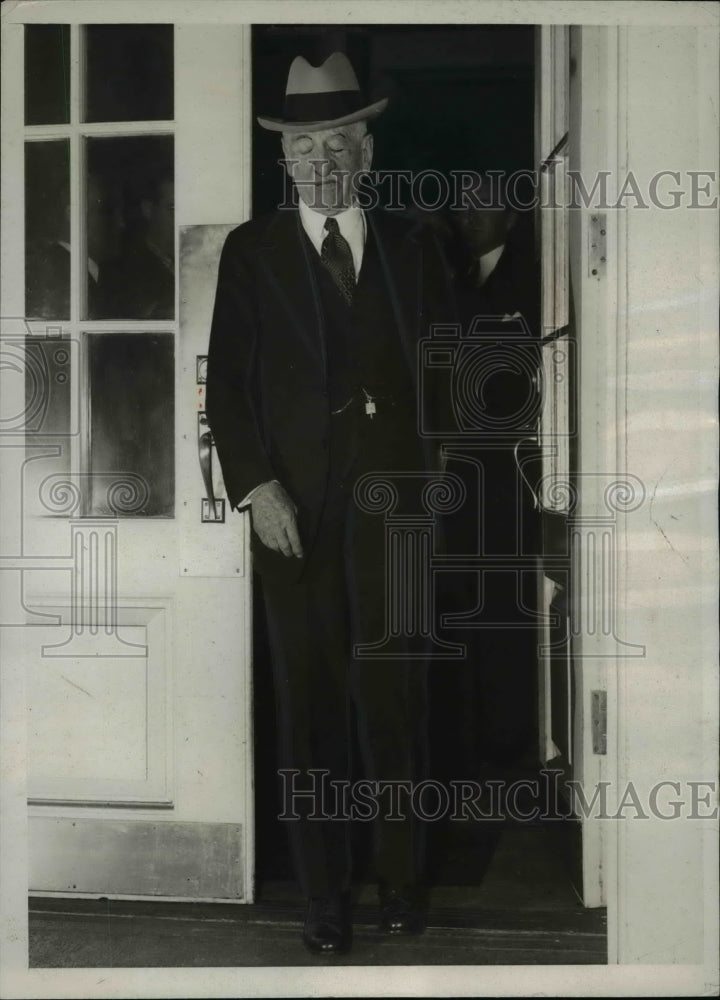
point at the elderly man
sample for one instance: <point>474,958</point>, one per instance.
<point>312,382</point>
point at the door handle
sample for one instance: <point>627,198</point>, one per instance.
<point>518,465</point>
<point>554,528</point>
<point>212,510</point>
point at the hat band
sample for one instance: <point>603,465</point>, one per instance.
<point>321,107</point>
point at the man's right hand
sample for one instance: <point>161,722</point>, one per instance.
<point>274,519</point>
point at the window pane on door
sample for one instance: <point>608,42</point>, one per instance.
<point>130,221</point>
<point>48,430</point>
<point>129,72</point>
<point>47,74</point>
<point>47,230</point>
<point>132,440</point>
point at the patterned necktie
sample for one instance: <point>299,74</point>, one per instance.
<point>336,256</point>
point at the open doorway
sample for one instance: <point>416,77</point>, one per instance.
<point>462,101</point>
<point>626,84</point>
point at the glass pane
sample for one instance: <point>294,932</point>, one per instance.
<point>129,72</point>
<point>47,74</point>
<point>132,420</point>
<point>47,230</point>
<point>46,480</point>
<point>131,228</point>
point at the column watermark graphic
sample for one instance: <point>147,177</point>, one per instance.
<point>410,553</point>
<point>36,370</point>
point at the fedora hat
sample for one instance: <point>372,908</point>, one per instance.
<point>320,97</point>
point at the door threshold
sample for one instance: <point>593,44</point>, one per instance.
<point>580,922</point>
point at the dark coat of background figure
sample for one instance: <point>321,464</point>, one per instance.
<point>496,703</point>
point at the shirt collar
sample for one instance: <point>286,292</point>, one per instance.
<point>351,223</point>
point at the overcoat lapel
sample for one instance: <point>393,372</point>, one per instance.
<point>284,256</point>
<point>400,260</point>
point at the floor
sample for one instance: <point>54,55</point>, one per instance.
<point>502,895</point>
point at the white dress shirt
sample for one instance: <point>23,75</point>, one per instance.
<point>353,228</point>
<point>351,224</point>
<point>488,262</point>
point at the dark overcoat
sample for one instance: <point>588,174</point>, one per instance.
<point>267,389</point>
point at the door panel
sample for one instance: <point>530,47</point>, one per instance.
<point>99,724</point>
<point>138,858</point>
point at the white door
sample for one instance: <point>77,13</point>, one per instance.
<point>129,584</point>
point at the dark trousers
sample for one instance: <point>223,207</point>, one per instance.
<point>322,691</point>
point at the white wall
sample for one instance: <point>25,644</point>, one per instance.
<point>666,434</point>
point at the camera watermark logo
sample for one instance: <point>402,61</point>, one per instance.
<point>459,371</point>
<point>480,401</point>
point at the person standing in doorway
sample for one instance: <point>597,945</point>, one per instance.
<point>312,383</point>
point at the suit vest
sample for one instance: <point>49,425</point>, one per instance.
<point>363,346</point>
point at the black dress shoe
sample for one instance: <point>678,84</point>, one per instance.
<point>401,912</point>
<point>328,930</point>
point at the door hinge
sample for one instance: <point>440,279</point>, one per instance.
<point>598,721</point>
<point>597,244</point>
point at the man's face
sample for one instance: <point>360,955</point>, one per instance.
<point>483,229</point>
<point>323,165</point>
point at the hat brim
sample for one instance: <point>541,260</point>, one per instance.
<point>280,125</point>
